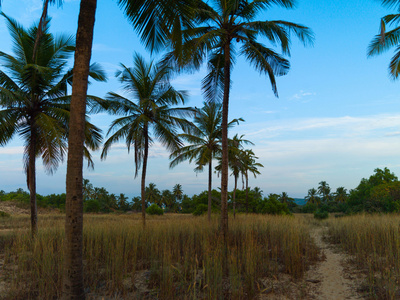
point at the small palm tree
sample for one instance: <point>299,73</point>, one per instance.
<point>324,190</point>
<point>340,194</point>
<point>387,39</point>
<point>204,142</point>
<point>249,164</point>
<point>153,194</point>
<point>148,114</point>
<point>257,192</point>
<point>312,197</point>
<point>178,192</point>
<point>235,162</point>
<point>36,105</point>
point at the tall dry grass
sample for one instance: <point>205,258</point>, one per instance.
<point>374,240</point>
<point>176,256</point>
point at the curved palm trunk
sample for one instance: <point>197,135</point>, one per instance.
<point>224,176</point>
<point>234,197</point>
<point>40,29</point>
<point>73,267</point>
<point>143,184</point>
<point>32,183</point>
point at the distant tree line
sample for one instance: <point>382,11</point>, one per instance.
<point>378,193</point>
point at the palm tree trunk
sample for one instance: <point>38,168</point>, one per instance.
<point>40,30</point>
<point>247,192</point>
<point>32,183</point>
<point>234,198</point>
<point>224,176</point>
<point>73,267</point>
<point>209,188</point>
<point>143,186</point>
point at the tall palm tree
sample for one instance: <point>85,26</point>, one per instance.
<point>204,142</point>
<point>226,28</point>
<point>34,96</point>
<point>387,39</point>
<point>312,197</point>
<point>249,164</point>
<point>156,21</point>
<point>148,112</point>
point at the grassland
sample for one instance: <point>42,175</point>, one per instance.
<point>175,256</point>
<point>374,243</point>
<point>179,256</point>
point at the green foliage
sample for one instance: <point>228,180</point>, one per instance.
<point>154,209</point>
<point>273,206</point>
<point>200,209</point>
<point>321,214</point>
<point>91,206</point>
<point>378,193</point>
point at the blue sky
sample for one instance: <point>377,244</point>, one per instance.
<point>337,117</point>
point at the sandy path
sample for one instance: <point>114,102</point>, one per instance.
<point>329,273</point>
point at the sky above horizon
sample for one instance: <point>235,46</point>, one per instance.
<point>337,117</point>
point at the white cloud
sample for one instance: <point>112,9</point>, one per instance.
<point>301,95</point>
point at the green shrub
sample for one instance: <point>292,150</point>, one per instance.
<point>321,215</point>
<point>3,214</point>
<point>200,209</point>
<point>272,206</point>
<point>91,206</point>
<point>154,209</point>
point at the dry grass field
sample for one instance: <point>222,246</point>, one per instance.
<point>179,257</point>
<point>174,257</point>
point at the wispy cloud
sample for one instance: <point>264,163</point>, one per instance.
<point>302,95</point>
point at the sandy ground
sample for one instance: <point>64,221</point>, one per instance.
<point>332,283</point>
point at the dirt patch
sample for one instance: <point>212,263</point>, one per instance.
<point>14,208</point>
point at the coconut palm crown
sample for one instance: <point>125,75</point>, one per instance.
<point>388,39</point>
<point>148,115</point>
<point>223,30</point>
<point>35,101</point>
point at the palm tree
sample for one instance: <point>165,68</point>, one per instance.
<point>235,156</point>
<point>341,194</point>
<point>167,199</point>
<point>249,164</point>
<point>312,197</point>
<point>227,28</point>
<point>156,21</point>
<point>149,86</point>
<point>122,202</point>
<point>205,142</point>
<point>387,39</point>
<point>324,190</point>
<point>153,194</point>
<point>34,95</point>
<point>257,193</point>
<point>177,191</point>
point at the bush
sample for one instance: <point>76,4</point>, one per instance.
<point>154,209</point>
<point>272,206</point>
<point>91,206</point>
<point>321,215</point>
<point>200,209</point>
<point>3,214</point>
